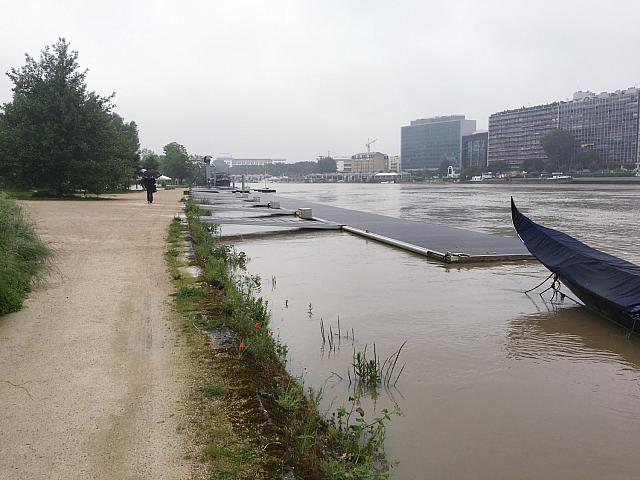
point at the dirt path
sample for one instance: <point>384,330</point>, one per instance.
<point>90,374</point>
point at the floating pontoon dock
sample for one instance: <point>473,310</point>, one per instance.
<point>441,242</point>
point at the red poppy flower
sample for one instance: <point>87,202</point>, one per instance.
<point>242,346</point>
<point>258,325</point>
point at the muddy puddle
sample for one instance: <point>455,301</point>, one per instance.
<point>497,384</point>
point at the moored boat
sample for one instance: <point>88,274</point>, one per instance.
<point>606,284</point>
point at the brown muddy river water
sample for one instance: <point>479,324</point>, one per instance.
<point>497,384</point>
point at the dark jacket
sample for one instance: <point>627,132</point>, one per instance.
<point>149,184</point>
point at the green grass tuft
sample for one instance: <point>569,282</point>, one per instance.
<point>22,255</point>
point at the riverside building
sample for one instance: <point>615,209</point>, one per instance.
<point>606,123</point>
<point>474,150</point>
<point>426,142</point>
<point>246,162</point>
<point>369,162</point>
<point>515,135</point>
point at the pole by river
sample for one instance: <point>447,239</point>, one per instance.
<point>497,384</point>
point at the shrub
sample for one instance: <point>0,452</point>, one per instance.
<point>22,255</point>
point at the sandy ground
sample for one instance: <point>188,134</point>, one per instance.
<point>90,375</point>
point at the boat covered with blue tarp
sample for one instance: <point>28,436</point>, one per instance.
<point>606,284</point>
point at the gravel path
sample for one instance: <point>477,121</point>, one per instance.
<point>91,375</point>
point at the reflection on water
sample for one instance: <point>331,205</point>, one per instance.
<point>574,333</point>
<point>496,385</point>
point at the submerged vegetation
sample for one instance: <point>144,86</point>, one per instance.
<point>272,426</point>
<point>371,372</point>
<point>22,255</point>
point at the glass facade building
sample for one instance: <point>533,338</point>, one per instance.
<point>474,150</point>
<point>425,143</point>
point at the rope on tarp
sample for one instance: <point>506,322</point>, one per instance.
<point>556,286</point>
<point>633,328</point>
<point>540,284</point>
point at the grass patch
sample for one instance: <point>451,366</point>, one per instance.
<point>255,419</point>
<point>224,441</point>
<point>214,390</point>
<point>23,256</point>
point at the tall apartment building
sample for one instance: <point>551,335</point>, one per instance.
<point>474,150</point>
<point>606,123</point>
<point>514,135</point>
<point>426,142</point>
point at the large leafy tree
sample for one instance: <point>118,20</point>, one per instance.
<point>175,161</point>
<point>327,165</point>
<point>149,159</point>
<point>558,145</point>
<point>58,136</point>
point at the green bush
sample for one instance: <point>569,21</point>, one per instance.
<point>22,255</point>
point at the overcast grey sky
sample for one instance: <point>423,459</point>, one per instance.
<point>294,79</point>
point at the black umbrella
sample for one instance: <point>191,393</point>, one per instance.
<point>150,174</point>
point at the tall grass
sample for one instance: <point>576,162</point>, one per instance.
<point>343,447</point>
<point>22,255</point>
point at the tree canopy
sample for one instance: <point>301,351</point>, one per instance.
<point>558,145</point>
<point>179,165</point>
<point>57,135</point>
<point>327,165</point>
<point>533,165</point>
<point>175,161</point>
<point>149,159</point>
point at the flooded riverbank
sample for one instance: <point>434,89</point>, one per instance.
<point>497,384</point>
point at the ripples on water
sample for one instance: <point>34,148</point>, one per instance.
<point>604,216</point>
<point>498,384</point>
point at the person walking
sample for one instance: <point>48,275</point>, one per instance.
<point>149,184</point>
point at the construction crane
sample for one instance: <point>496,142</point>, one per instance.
<point>369,143</point>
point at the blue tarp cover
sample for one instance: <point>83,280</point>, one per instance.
<point>609,277</point>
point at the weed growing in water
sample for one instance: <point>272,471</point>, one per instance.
<point>372,373</point>
<point>361,441</point>
<point>346,446</point>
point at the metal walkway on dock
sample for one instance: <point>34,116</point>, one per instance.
<point>269,221</point>
<point>260,214</point>
<point>441,242</point>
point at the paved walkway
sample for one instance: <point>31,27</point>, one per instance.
<point>90,377</point>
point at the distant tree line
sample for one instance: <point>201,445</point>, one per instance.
<point>58,136</point>
<point>175,162</point>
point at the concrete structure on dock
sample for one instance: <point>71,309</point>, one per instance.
<point>606,123</point>
<point>427,142</point>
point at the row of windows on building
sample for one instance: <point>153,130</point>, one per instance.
<point>607,123</point>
